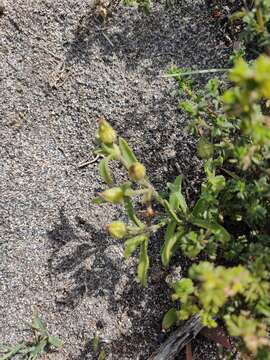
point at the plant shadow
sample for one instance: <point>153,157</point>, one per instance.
<point>142,308</point>
<point>86,278</point>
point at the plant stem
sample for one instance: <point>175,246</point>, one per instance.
<point>131,192</point>
<point>147,184</point>
<point>260,21</point>
<point>196,72</point>
<point>147,229</point>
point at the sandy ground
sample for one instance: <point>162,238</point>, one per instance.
<point>60,71</point>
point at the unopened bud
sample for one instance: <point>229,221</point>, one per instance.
<point>150,212</point>
<point>114,195</point>
<point>106,133</point>
<point>117,229</point>
<point>136,171</point>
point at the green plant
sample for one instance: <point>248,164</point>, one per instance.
<point>100,353</point>
<point>142,5</point>
<point>233,127</point>
<point>256,18</point>
<point>31,350</point>
<point>229,222</point>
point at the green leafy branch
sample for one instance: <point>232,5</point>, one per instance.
<point>177,218</point>
<point>229,220</point>
<point>31,350</point>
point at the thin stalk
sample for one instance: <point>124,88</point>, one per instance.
<point>147,184</point>
<point>196,72</point>
<point>147,229</point>
<point>131,192</point>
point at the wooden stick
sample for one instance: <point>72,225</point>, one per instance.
<point>178,340</point>
<point>86,163</point>
<point>188,352</point>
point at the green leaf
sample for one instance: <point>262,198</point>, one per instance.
<point>183,289</point>
<point>55,341</point>
<point>191,244</point>
<point>143,263</point>
<point>241,71</point>
<point>171,212</point>
<point>38,349</point>
<point>102,355</point>
<point>214,227</point>
<point>13,351</point>
<point>169,246</point>
<point>169,318</point>
<point>39,325</point>
<point>182,202</point>
<point>217,183</point>
<point>126,186</point>
<point>174,188</point>
<point>199,208</point>
<point>104,170</point>
<point>189,107</point>
<point>212,87</point>
<point>205,149</point>
<point>132,244</point>
<point>237,15</point>
<point>166,248</point>
<point>98,200</point>
<point>176,199</point>
<point>107,149</point>
<point>96,343</point>
<point>131,212</point>
<point>126,152</point>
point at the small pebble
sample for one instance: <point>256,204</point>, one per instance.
<point>100,324</point>
<point>175,274</point>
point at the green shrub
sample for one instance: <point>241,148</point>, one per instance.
<point>234,141</point>
<point>229,223</point>
<point>256,19</point>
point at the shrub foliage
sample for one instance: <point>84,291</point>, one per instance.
<point>229,223</point>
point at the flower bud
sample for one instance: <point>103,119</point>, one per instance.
<point>136,171</point>
<point>150,212</point>
<point>117,229</point>
<point>114,195</point>
<point>106,133</point>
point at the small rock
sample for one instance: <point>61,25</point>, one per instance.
<point>176,274</point>
<point>100,324</point>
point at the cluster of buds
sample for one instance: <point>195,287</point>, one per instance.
<point>107,135</point>
<point>115,148</point>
